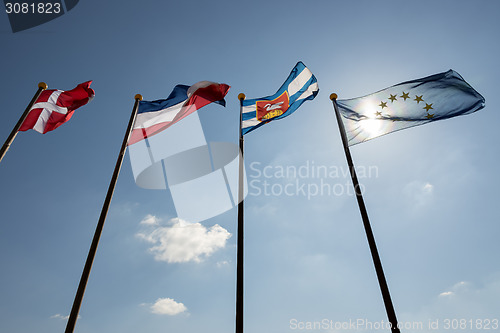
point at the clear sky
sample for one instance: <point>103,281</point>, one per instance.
<point>431,191</point>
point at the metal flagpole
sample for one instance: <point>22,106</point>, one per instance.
<point>239,257</point>
<point>391,314</point>
<point>41,86</point>
<point>70,326</point>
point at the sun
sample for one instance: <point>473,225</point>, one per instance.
<point>371,123</point>
<point>371,126</point>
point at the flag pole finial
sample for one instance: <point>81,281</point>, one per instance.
<point>138,96</point>
<point>241,96</point>
<point>333,96</point>
<point>42,85</point>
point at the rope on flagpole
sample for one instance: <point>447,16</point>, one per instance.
<point>391,314</point>
<point>239,256</point>
<point>41,87</point>
<point>70,326</point>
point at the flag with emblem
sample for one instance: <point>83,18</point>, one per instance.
<point>408,104</point>
<point>55,107</point>
<point>300,86</point>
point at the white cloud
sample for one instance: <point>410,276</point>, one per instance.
<point>222,263</point>
<point>61,317</point>
<point>167,306</point>
<point>150,220</point>
<point>462,300</point>
<point>418,193</point>
<point>123,209</point>
<point>458,288</point>
<point>446,293</point>
<point>428,188</point>
<point>184,241</point>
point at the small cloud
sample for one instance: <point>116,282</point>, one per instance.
<point>150,220</point>
<point>123,209</point>
<point>61,317</point>
<point>184,241</point>
<point>222,263</point>
<point>167,306</point>
<point>428,188</point>
<point>464,299</point>
<point>446,294</point>
<point>461,286</point>
<point>457,288</point>
<point>419,193</point>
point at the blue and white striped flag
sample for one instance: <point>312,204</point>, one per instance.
<point>301,85</point>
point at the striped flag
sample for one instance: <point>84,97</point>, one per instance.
<point>55,107</point>
<point>301,85</point>
<point>155,116</point>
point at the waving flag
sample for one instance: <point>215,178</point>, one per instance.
<point>153,117</point>
<point>55,107</point>
<point>408,104</point>
<point>198,174</point>
<point>300,86</point>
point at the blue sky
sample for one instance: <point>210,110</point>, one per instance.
<point>431,196</point>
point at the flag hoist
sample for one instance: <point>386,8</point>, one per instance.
<point>41,87</point>
<point>49,109</point>
<point>70,326</point>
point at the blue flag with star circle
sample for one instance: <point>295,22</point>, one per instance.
<point>408,104</point>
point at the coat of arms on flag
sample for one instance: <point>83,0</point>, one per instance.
<point>300,86</point>
<point>269,109</point>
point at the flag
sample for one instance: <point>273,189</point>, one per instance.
<point>155,116</point>
<point>408,104</point>
<point>301,85</point>
<point>55,107</point>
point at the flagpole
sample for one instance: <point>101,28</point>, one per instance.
<point>70,326</point>
<point>391,314</point>
<point>240,257</point>
<point>41,87</point>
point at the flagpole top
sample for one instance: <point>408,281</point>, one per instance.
<point>42,85</point>
<point>333,96</point>
<point>241,96</point>
<point>138,96</point>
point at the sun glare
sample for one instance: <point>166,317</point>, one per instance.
<point>370,124</point>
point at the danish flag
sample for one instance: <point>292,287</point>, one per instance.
<point>55,107</point>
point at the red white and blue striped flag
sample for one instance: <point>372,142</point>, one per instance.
<point>155,116</point>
